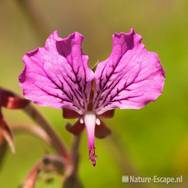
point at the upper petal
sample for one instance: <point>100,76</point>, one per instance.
<point>130,77</point>
<point>58,75</point>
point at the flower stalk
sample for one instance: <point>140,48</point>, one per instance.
<point>33,130</point>
<point>40,120</point>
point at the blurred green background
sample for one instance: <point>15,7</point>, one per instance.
<point>147,142</point>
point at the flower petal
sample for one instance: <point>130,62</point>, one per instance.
<point>75,129</point>
<point>102,131</point>
<point>58,75</point>
<point>130,77</point>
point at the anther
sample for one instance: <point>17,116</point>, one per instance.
<point>98,122</point>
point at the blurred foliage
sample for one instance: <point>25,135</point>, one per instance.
<point>153,140</point>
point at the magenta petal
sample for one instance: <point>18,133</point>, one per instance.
<point>58,75</point>
<point>130,77</point>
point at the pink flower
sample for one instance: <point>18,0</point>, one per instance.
<point>58,75</point>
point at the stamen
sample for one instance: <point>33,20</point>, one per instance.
<point>98,122</point>
<point>81,121</point>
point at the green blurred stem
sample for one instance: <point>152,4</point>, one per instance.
<point>121,156</point>
<point>34,17</point>
<point>123,160</point>
<point>57,143</point>
<point>75,153</point>
<point>71,179</point>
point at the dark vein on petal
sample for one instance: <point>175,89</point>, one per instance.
<point>126,98</point>
<point>53,82</point>
<point>52,95</point>
<point>76,77</point>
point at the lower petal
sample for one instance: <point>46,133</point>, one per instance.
<point>75,129</point>
<point>102,131</point>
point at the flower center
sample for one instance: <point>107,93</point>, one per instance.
<point>90,118</point>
